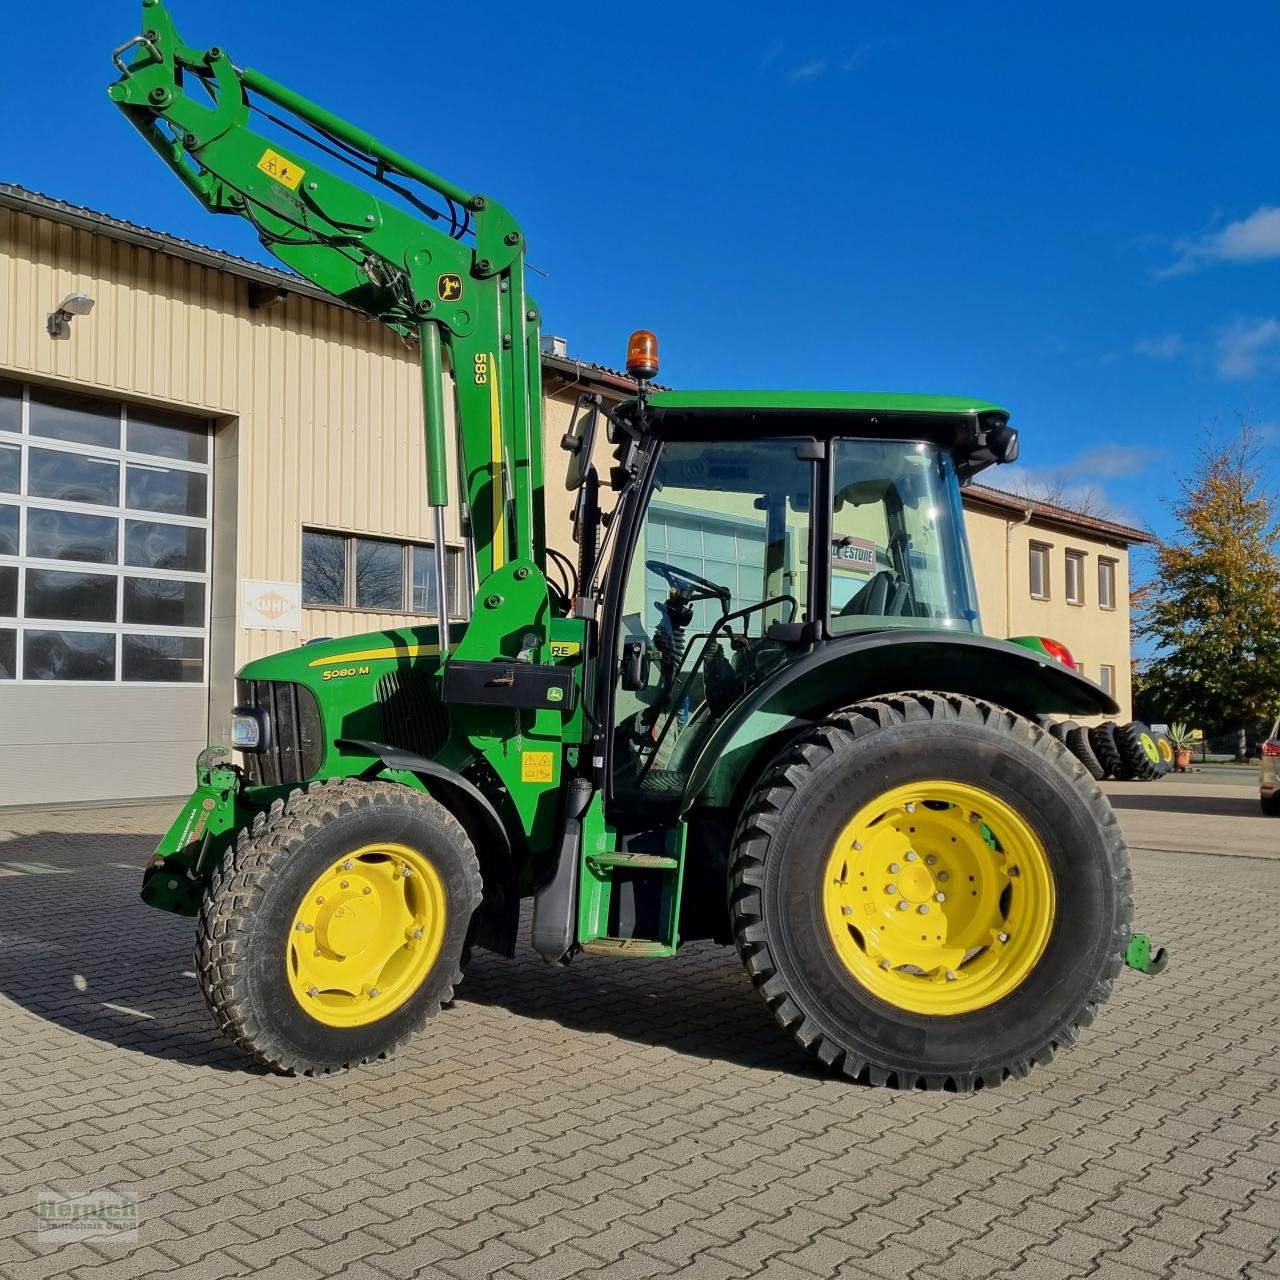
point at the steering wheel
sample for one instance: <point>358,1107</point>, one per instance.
<point>682,580</point>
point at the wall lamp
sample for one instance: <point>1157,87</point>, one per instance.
<point>74,304</point>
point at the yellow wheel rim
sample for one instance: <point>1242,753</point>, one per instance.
<point>939,898</point>
<point>366,934</point>
<point>1149,748</point>
<point>1166,751</point>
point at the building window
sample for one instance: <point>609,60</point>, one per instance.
<point>1039,566</point>
<point>1107,584</point>
<point>1108,680</point>
<point>1075,577</point>
<point>104,540</point>
<point>377,575</point>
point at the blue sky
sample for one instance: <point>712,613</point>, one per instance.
<point>1073,212</point>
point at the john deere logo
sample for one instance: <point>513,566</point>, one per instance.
<point>271,604</point>
<point>555,695</point>
<point>449,287</point>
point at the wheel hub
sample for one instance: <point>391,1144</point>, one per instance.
<point>938,897</point>
<point>366,934</point>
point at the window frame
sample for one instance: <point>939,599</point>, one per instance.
<point>1107,572</point>
<point>455,588</point>
<point>1107,681</point>
<point>1076,558</point>
<point>1043,551</point>
<point>122,458</point>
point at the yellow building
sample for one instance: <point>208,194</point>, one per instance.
<point>220,461</point>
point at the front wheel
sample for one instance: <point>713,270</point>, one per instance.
<point>928,890</point>
<point>337,925</point>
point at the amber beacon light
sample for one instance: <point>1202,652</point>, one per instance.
<point>642,355</point>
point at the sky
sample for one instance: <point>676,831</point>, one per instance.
<point>1071,211</point>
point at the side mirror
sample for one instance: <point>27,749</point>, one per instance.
<point>635,665</point>
<point>580,439</point>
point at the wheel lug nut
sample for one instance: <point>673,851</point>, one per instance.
<point>975,818</point>
<point>318,952</point>
<point>313,992</point>
<point>939,897</point>
<point>367,890</point>
<point>943,877</point>
<point>903,906</point>
<point>1004,937</point>
<point>923,908</point>
<point>911,808</point>
<point>846,911</point>
<point>319,902</point>
<point>931,859</point>
<point>343,885</point>
<point>301,928</point>
<point>346,866</point>
<point>406,873</point>
<point>417,933</point>
<point>891,888</point>
<point>884,964</point>
<point>911,855</point>
<point>1013,873</point>
<point>951,975</point>
<point>894,868</point>
<point>374,993</point>
<point>857,846</point>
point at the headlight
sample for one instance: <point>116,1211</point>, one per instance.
<point>250,729</point>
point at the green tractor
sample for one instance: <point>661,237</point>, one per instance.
<point>758,709</point>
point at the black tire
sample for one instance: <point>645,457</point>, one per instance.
<point>1102,738</point>
<point>1270,805</point>
<point>245,917</point>
<point>1165,748</point>
<point>1059,730</point>
<point>788,830</point>
<point>1138,763</point>
<point>1077,742</point>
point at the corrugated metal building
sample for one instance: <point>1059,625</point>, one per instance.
<point>222,462</point>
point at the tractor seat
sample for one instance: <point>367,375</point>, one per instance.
<point>884,595</point>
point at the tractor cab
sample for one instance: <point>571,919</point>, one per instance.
<point>756,528</point>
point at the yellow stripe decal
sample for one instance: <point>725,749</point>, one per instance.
<point>495,485</point>
<point>377,655</point>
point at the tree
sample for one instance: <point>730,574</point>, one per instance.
<point>1214,603</point>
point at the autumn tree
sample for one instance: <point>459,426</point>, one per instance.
<point>1213,608</point>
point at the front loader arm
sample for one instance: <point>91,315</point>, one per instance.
<point>450,279</point>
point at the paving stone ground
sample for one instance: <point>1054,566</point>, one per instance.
<point>622,1119</point>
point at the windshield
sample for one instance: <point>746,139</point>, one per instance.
<point>899,556</point>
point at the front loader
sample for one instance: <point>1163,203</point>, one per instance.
<point>759,707</point>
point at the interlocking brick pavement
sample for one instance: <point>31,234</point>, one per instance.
<point>622,1120</point>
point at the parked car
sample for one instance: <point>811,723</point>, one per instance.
<point>1269,772</point>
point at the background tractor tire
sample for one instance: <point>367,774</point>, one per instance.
<point>1077,742</point>
<point>1138,751</point>
<point>1059,729</point>
<point>1102,738</point>
<point>794,831</point>
<point>1165,748</point>
<point>251,940</point>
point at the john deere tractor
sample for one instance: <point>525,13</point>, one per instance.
<point>757,708</point>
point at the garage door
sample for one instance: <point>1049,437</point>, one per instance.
<point>104,596</point>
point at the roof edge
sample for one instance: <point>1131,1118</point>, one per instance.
<point>1051,513</point>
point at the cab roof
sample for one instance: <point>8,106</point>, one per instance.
<point>859,402</point>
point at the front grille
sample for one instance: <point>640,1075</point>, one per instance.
<point>412,718</point>
<point>297,732</point>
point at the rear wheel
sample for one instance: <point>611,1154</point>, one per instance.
<point>928,890</point>
<point>1138,750</point>
<point>337,926</point>
<point>1165,749</point>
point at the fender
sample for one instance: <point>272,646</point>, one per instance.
<point>498,921</point>
<point>838,672</point>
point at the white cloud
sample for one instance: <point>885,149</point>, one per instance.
<point>1168,346</point>
<point>1111,462</point>
<point>1252,239</point>
<point>1249,348</point>
<point>809,70</point>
